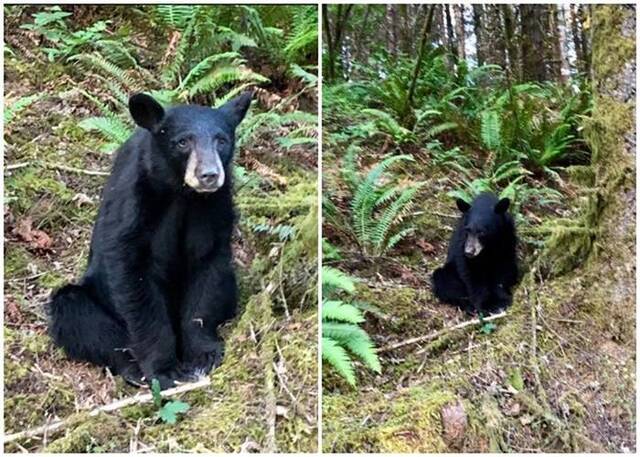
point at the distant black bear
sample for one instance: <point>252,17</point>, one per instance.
<point>160,277</point>
<point>481,266</point>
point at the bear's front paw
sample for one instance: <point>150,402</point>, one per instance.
<point>172,378</point>
<point>201,364</point>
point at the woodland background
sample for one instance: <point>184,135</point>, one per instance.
<point>423,104</point>
<point>68,74</point>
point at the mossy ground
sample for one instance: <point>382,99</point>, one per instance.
<point>262,397</point>
<point>558,372</point>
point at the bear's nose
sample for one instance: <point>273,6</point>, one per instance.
<point>208,178</point>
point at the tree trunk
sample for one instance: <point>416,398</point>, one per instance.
<point>494,43</point>
<point>583,13</point>
<point>426,31</point>
<point>565,65</point>
<point>533,65</point>
<point>334,34</point>
<point>478,23</point>
<point>513,54</point>
<point>554,55</point>
<point>451,41</point>
<point>612,138</point>
<point>458,14</point>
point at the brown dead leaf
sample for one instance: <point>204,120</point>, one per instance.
<point>12,311</point>
<point>426,247</point>
<point>454,423</point>
<point>37,239</point>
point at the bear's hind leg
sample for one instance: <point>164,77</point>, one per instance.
<point>449,288</point>
<point>87,332</point>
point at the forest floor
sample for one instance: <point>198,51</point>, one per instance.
<point>555,375</point>
<point>264,395</point>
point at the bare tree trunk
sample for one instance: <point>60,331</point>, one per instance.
<point>583,13</point>
<point>451,42</point>
<point>513,54</point>
<point>532,44</point>
<point>393,29</point>
<point>478,23</point>
<point>334,33</point>
<point>426,31</point>
<point>565,66</point>
<point>495,44</point>
<point>458,11</point>
<point>552,45</point>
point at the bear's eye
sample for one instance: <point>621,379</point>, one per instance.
<point>182,143</point>
<point>222,141</point>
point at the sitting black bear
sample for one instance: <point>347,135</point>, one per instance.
<point>481,266</point>
<point>160,277</point>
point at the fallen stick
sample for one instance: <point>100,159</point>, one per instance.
<point>82,171</point>
<point>57,166</point>
<point>116,405</point>
<point>439,333</point>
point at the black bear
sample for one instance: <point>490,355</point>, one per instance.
<point>160,277</point>
<point>481,266</point>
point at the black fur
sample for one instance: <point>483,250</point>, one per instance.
<point>160,278</point>
<point>482,283</point>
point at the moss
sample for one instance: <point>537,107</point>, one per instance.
<point>99,434</point>
<point>405,421</point>
<point>16,261</point>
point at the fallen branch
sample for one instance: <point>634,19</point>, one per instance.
<point>116,405</point>
<point>439,333</point>
<point>57,166</point>
<point>82,171</point>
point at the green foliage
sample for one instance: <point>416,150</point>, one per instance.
<point>19,105</point>
<point>334,279</point>
<point>379,212</point>
<point>167,412</point>
<point>342,338</point>
<point>52,26</point>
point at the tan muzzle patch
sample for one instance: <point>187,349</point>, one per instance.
<point>472,246</point>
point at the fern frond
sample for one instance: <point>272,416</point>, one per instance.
<point>490,130</point>
<point>339,359</point>
<point>218,77</point>
<point>95,61</point>
<point>332,279</point>
<point>19,105</point>
<point>339,311</point>
<point>110,127</point>
<point>356,340</point>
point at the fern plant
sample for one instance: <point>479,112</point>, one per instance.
<point>379,212</point>
<point>342,337</point>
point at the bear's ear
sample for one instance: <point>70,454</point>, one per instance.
<point>462,205</point>
<point>502,206</point>
<point>145,111</point>
<point>236,108</point>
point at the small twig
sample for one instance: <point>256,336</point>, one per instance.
<point>439,333</point>
<point>16,166</point>
<point>57,166</point>
<point>48,429</point>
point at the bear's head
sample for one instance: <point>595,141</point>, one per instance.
<point>197,141</point>
<point>483,222</point>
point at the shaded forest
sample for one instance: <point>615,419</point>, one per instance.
<point>423,104</point>
<point>68,74</point>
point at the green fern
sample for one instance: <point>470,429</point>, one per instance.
<point>336,355</point>
<point>490,130</point>
<point>377,209</point>
<point>334,279</point>
<point>175,16</point>
<point>342,338</point>
<point>304,36</point>
<point>340,311</point>
<point>19,105</point>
